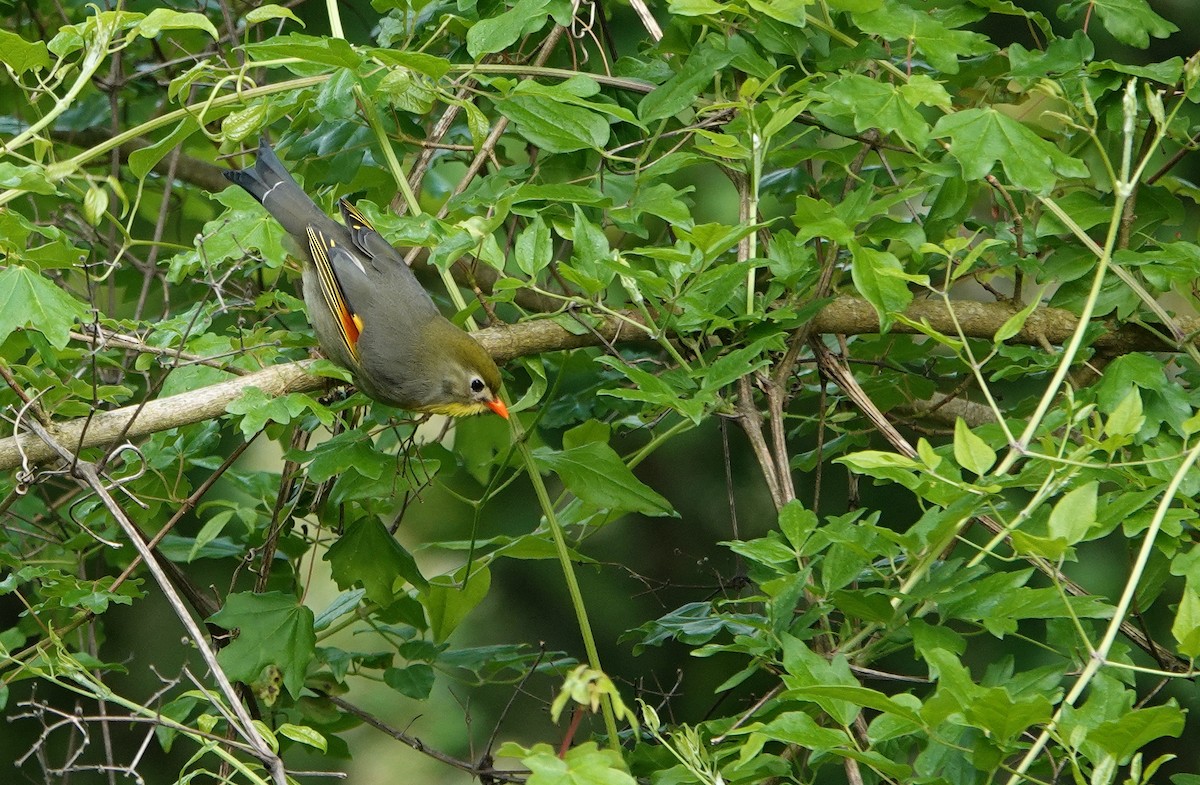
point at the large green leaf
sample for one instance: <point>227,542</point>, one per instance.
<point>366,553</point>
<point>979,138</point>
<point>29,301</point>
<point>597,475</point>
<point>274,630</point>
<point>681,90</point>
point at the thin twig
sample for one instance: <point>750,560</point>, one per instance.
<point>85,473</point>
<point>485,773</point>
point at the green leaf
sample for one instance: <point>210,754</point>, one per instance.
<point>1015,323</point>
<point>790,12</point>
<point>95,204</point>
<point>414,681</point>
<point>695,7</point>
<point>590,251</point>
<point>769,551</point>
<point>979,138</point>
<point>346,452</point>
<point>857,6</point>
<point>29,301</point>
<point>797,524</point>
<point>583,764</point>
<point>343,604</point>
<point>1075,514</point>
<point>304,735</point>
<point>587,432</point>
<point>879,277</point>
<point>694,623</point>
<point>257,409</point>
<point>859,696</point>
<point>1126,418</point>
<point>209,532</point>
<point>246,122</point>
<point>1131,22</point>
<point>597,475</point>
<point>818,218</point>
<point>1061,55</point>
<point>267,12</point>
<point>555,127</point>
<point>925,32</point>
<point>21,55</point>
<point>141,161</point>
<point>730,367</point>
<point>489,36</point>
<point>429,65</point>
<point>1003,716</point>
<point>877,104</point>
<point>366,553</point>
<point>1124,736</point>
<point>275,630</point>
<point>806,668</point>
<point>576,91</point>
<point>32,178</point>
<point>655,390</point>
<point>867,460</point>
<point>971,452</point>
<point>796,727</point>
<point>447,604</point>
<point>1001,600</point>
<point>407,91</point>
<point>165,19</point>
<point>560,193</point>
<point>682,89</point>
<point>1186,626</point>
<point>335,52</point>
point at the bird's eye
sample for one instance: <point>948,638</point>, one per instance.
<point>477,385</point>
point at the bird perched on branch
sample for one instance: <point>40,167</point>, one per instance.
<point>368,310</point>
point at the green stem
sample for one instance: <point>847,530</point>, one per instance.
<point>335,19</point>
<point>1122,190</point>
<point>94,55</point>
<point>1097,657</point>
<point>658,441</point>
<point>751,217</point>
<point>374,120</point>
<point>59,171</point>
<point>564,559</point>
<point>633,85</point>
<point>371,111</point>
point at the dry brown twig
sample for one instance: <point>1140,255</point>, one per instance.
<point>239,719</point>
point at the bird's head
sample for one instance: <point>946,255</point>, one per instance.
<point>467,377</point>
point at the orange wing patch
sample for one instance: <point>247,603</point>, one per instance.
<point>331,291</point>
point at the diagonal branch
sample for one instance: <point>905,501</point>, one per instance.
<point>86,475</point>
<point>837,373</point>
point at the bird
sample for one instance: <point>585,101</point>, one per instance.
<point>369,312</point>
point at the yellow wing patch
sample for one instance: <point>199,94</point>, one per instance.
<point>350,324</point>
<point>355,220</point>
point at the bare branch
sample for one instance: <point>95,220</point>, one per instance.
<point>844,316</point>
<point>85,473</point>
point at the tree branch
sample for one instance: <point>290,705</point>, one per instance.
<point>843,315</point>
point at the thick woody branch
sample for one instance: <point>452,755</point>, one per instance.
<point>103,428</point>
<point>855,316</point>
<point>843,315</point>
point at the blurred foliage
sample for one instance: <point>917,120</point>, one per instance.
<point>935,261</point>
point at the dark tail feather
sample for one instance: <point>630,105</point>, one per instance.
<point>273,186</point>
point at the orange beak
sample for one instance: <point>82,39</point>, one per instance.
<point>498,407</point>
